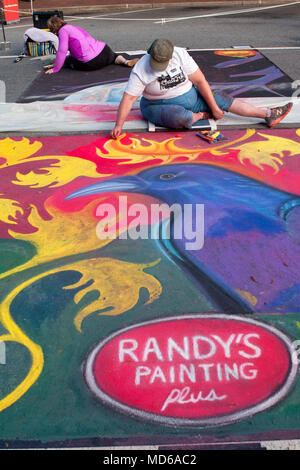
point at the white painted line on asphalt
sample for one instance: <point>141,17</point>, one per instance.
<point>103,18</point>
<point>224,13</point>
<point>8,27</point>
<point>80,18</point>
<point>169,20</point>
<point>117,13</point>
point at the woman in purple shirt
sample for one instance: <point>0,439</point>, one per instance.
<point>86,53</point>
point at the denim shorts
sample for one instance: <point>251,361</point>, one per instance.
<point>177,112</point>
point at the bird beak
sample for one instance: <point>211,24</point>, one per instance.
<point>124,184</point>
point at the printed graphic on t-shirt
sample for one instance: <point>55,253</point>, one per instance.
<point>173,78</point>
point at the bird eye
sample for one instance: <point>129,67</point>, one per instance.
<point>167,176</point>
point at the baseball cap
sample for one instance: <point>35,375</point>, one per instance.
<point>161,51</point>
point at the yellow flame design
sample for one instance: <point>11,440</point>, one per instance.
<point>17,335</point>
<point>64,234</point>
<point>59,171</point>
<point>118,282</point>
<point>166,150</point>
<point>9,210</point>
<point>16,151</point>
<point>270,151</point>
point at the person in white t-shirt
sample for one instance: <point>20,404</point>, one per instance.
<point>176,94</point>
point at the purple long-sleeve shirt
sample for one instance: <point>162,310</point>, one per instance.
<point>81,45</point>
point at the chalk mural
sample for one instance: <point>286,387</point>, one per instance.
<point>141,327</point>
<point>248,73</point>
<point>242,73</point>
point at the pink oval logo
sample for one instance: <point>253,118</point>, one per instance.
<point>194,370</point>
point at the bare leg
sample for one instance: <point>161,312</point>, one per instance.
<point>120,60</point>
<point>242,108</point>
<point>272,116</point>
<point>239,107</point>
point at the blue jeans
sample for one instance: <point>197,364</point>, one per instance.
<point>178,112</point>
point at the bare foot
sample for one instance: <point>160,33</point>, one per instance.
<point>132,62</point>
<point>120,60</point>
<point>201,116</point>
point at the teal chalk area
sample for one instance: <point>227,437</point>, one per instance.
<point>14,253</point>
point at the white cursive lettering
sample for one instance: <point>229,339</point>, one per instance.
<point>185,396</point>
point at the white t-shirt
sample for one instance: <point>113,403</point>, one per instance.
<point>170,83</point>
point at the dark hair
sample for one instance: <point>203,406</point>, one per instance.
<point>55,23</point>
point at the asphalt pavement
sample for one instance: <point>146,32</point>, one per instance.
<point>274,30</point>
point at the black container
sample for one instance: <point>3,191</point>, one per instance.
<point>40,18</point>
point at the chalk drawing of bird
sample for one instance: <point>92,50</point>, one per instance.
<point>250,259</point>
